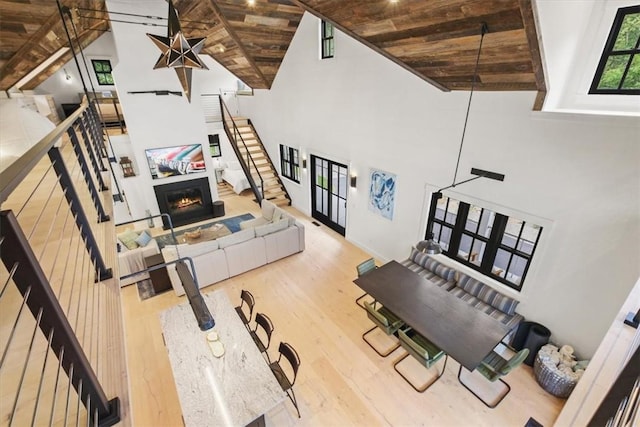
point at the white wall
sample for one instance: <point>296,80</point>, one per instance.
<point>66,91</point>
<point>579,174</point>
<point>154,121</point>
<point>574,33</point>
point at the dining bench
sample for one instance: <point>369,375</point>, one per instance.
<point>476,293</point>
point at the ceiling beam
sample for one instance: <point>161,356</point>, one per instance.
<point>529,20</point>
<point>370,45</point>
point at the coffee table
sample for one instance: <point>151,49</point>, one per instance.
<point>211,233</point>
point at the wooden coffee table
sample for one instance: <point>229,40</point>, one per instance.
<point>211,233</point>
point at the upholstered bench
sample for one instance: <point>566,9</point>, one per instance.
<point>430,269</point>
<point>480,295</point>
<point>484,297</point>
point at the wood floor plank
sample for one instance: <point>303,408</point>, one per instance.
<point>310,298</point>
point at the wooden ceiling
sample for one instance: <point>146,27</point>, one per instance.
<point>436,40</point>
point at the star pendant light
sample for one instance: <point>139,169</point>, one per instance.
<point>179,52</point>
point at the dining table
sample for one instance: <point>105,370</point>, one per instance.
<point>232,389</point>
<point>459,329</point>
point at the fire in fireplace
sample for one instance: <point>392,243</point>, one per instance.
<point>186,202</point>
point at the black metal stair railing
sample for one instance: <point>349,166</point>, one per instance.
<point>266,154</point>
<point>246,162</point>
<point>57,244</point>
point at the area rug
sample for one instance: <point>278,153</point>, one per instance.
<point>233,224</point>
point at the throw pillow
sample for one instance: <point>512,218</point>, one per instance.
<point>277,215</point>
<point>143,239</point>
<point>128,238</point>
<point>267,209</point>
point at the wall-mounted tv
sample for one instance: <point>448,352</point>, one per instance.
<point>173,161</point>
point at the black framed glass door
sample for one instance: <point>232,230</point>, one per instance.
<point>329,188</point>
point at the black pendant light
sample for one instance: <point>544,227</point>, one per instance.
<point>430,246</point>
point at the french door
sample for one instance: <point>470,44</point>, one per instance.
<point>329,193</point>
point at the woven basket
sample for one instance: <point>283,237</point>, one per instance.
<point>551,380</point>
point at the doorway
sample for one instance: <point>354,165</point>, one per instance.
<point>329,188</point>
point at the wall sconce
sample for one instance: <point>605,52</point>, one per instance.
<point>353,181</point>
<point>304,163</point>
<point>127,166</point>
<point>67,76</point>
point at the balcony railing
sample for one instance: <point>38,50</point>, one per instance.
<point>61,334</point>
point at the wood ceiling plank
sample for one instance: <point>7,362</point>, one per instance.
<point>305,5</point>
<point>497,22</point>
<point>436,40</point>
<point>258,77</point>
<point>43,43</point>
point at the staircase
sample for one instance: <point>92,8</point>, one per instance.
<point>256,163</point>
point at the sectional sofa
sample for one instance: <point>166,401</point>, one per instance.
<point>273,236</point>
<point>476,293</point>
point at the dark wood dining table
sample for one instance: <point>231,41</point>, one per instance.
<point>462,331</point>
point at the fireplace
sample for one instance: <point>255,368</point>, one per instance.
<point>186,201</point>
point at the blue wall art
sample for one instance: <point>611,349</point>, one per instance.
<point>382,193</point>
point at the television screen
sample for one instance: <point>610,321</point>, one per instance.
<point>172,161</point>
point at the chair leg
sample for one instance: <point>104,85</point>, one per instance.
<point>292,397</point>
<point>508,389</point>
<point>360,298</point>
<point>385,354</point>
<point>428,384</point>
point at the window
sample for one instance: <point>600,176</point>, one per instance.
<point>494,244</point>
<point>102,68</point>
<point>289,163</point>
<point>618,71</point>
<point>326,40</point>
<point>214,145</point>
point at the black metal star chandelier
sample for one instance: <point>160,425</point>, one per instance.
<point>179,52</point>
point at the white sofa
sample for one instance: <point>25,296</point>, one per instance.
<point>132,260</point>
<point>228,256</point>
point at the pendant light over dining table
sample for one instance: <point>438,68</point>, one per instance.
<point>430,246</point>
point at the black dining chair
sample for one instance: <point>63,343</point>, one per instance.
<point>285,382</point>
<point>262,322</point>
<point>363,268</point>
<point>246,299</point>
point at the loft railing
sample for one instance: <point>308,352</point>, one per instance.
<point>61,334</point>
<point>248,164</point>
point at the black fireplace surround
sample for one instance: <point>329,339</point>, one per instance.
<point>186,201</point>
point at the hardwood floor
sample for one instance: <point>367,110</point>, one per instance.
<point>310,298</point>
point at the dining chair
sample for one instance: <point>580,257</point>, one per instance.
<point>424,351</point>
<point>385,320</point>
<point>263,322</point>
<point>285,382</point>
<point>493,367</point>
<point>363,268</point>
<point>246,298</point>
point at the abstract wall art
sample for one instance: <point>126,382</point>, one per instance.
<point>178,160</point>
<point>382,193</point>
